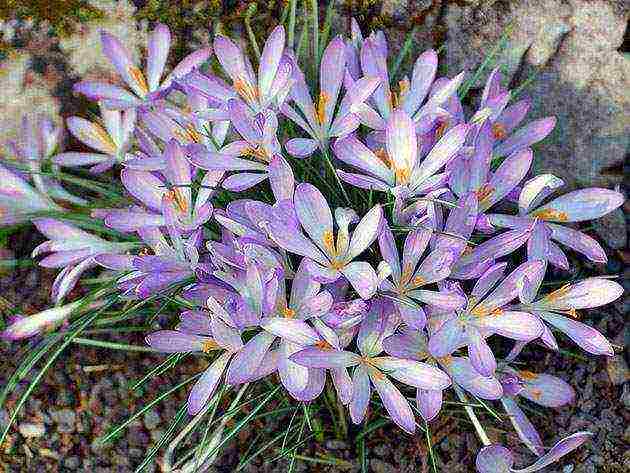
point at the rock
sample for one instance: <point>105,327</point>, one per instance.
<point>568,469</point>
<point>611,229</point>
<point>617,369</point>
<point>72,463</point>
<point>336,445</point>
<point>625,396</point>
<point>379,466</point>
<point>152,419</point>
<point>66,420</point>
<point>32,430</point>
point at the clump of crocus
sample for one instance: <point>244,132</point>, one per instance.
<point>291,285</point>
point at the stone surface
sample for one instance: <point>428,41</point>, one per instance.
<point>32,430</point>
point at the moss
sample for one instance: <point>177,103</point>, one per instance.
<point>62,15</point>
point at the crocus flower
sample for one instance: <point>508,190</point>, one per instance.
<point>27,326</point>
<point>397,168</point>
<point>559,307</point>
<point>38,142</point>
<point>484,315</point>
<point>371,55</point>
<point>319,120</point>
<point>112,140</point>
<point>73,250</point>
<point>19,200</point>
<point>410,276</point>
<point>198,331</point>
<point>543,389</point>
<point>146,88</point>
<point>498,459</point>
<point>295,323</point>
<point>373,370</point>
<point>577,206</point>
<point>269,89</point>
<point>329,259</point>
<point>257,148</point>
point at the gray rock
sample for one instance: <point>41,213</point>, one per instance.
<point>152,419</point>
<point>72,463</point>
<point>611,229</point>
<point>32,430</point>
<point>379,466</point>
<point>65,420</point>
<point>336,445</point>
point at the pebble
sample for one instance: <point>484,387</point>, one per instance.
<point>617,368</point>
<point>568,469</point>
<point>72,463</point>
<point>379,466</point>
<point>65,419</point>
<point>625,396</point>
<point>32,430</point>
<point>336,445</point>
<point>152,419</point>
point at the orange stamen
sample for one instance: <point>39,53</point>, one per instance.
<point>245,90</point>
<point>288,313</point>
<point>138,76</point>
<point>209,345</point>
<point>551,214</point>
<point>499,131</point>
<point>320,112</point>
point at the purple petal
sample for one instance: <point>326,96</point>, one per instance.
<point>361,393</point>
<point>524,428</point>
<point>479,352</point>
<point>247,361</point>
<point>422,77</point>
<point>243,181</point>
<point>207,384</point>
<point>429,403</point>
<point>315,216</point>
<point>447,339</point>
<point>505,178</point>
<point>586,337</point>
<point>560,449</point>
<point>314,357</point>
<point>172,341</point>
<point>586,294</point>
<point>333,65</point>
<point>120,58</point>
<point>145,187</point>
<point>301,147</point>
<point>362,277</point>
<point>394,402</point>
<point>580,205</point>
<point>546,390</point>
<point>401,144</point>
<point>526,136</point>
<point>293,330</point>
<point>270,59</point>
<point>494,459</point>
<point>365,232</point>
<point>578,241</point>
<point>158,47</point>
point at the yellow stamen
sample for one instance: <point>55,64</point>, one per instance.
<point>320,112</point>
<point>382,155</point>
<point>573,313</point>
<point>402,175</point>
<point>178,198</point>
<point>329,242</point>
<point>484,192</point>
<point>555,295</point>
<point>528,375</point>
<point>338,265</point>
<point>323,345</point>
<point>536,393</point>
<point>406,273</point>
<point>98,133</point>
<point>418,281</point>
<point>551,214</point>
<point>440,130</point>
<point>446,360</point>
<point>209,345</point>
<point>138,76</point>
<point>499,131</point>
<point>288,313</point>
<point>403,87</point>
<point>257,152</point>
<point>189,134</point>
<point>246,90</point>
<point>144,252</point>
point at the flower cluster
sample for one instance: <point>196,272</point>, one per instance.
<point>284,284</point>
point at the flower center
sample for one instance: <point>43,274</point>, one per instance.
<point>98,133</point>
<point>499,131</point>
<point>288,313</point>
<point>188,133</point>
<point>209,345</point>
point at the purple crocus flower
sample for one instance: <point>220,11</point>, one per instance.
<point>328,259</point>
<point>323,121</point>
<point>398,168</point>
<point>112,141</point>
<point>369,57</point>
<point>410,276</point>
<point>199,331</point>
<point>146,89</point>
<point>374,370</point>
<point>577,206</point>
<point>485,315</point>
<point>558,309</point>
<point>269,89</point>
<point>73,250</point>
<point>19,200</point>
<point>543,389</point>
<point>498,459</point>
<point>21,326</point>
<point>257,148</point>
<point>39,139</point>
<point>296,323</point>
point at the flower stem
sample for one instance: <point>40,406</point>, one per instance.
<point>292,14</point>
<point>473,417</point>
